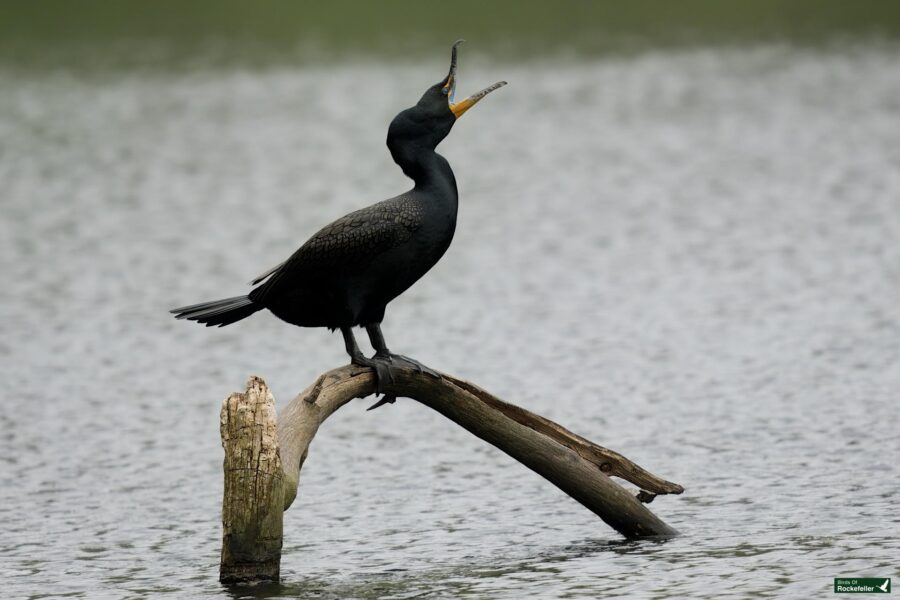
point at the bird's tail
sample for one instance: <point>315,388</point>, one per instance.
<point>218,312</point>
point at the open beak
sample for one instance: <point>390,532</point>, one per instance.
<point>458,108</point>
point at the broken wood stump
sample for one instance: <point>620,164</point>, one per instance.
<point>264,455</point>
<point>253,500</point>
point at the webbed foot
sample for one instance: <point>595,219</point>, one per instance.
<point>382,363</point>
<point>419,367</point>
<point>382,368</point>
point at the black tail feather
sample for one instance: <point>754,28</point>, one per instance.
<point>218,312</point>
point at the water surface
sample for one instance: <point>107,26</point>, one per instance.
<point>689,256</point>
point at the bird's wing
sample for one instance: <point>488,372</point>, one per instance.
<point>349,244</point>
<point>262,276</point>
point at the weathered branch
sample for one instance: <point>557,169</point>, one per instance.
<point>574,464</point>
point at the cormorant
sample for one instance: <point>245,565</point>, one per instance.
<point>345,275</point>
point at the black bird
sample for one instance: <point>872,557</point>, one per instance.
<point>345,275</point>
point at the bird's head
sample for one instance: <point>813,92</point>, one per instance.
<point>430,120</point>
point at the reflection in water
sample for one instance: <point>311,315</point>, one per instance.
<point>701,243</point>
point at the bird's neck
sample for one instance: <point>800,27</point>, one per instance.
<point>427,168</point>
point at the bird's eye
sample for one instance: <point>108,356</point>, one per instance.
<point>445,90</point>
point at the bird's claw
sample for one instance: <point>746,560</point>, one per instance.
<point>385,399</point>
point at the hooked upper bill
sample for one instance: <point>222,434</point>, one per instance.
<point>458,108</point>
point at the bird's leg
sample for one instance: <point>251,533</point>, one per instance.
<point>382,369</point>
<point>382,357</point>
<point>382,352</point>
<point>377,340</point>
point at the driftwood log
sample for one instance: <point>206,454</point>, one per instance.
<point>264,455</point>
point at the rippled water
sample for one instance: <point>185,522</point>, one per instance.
<point>691,257</point>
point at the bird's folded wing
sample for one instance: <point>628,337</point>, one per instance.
<point>346,245</point>
<point>262,276</point>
